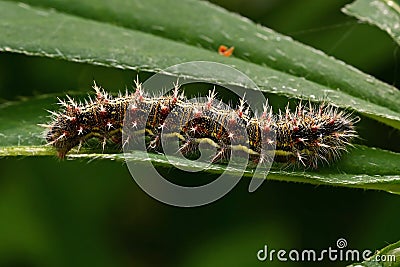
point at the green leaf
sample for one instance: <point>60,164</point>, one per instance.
<point>389,256</point>
<point>363,167</point>
<point>382,13</point>
<point>135,35</point>
<point>274,62</point>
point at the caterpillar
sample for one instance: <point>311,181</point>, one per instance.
<point>306,137</point>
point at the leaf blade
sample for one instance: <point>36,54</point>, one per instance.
<point>77,39</point>
<point>253,43</point>
<point>384,14</point>
<point>363,167</point>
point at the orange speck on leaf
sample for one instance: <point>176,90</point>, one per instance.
<point>225,51</point>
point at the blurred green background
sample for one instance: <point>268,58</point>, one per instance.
<point>79,213</point>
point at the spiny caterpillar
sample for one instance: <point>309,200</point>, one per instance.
<point>310,135</point>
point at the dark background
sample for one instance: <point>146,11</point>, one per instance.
<point>79,213</point>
